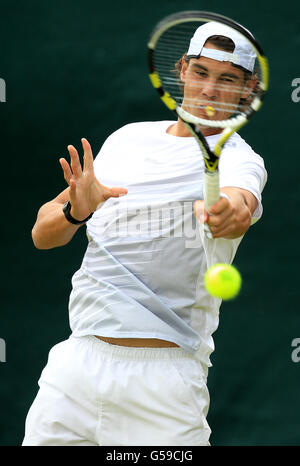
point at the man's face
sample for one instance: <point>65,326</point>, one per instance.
<point>212,88</point>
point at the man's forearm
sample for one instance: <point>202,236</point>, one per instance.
<point>51,228</point>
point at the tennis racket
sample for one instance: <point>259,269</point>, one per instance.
<point>213,74</point>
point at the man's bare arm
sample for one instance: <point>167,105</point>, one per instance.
<point>51,228</point>
<point>85,193</point>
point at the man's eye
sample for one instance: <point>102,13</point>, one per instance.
<point>227,80</point>
<point>201,73</point>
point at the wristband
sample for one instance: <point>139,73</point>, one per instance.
<point>66,210</point>
<point>225,196</point>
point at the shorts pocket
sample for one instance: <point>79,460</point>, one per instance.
<point>191,387</point>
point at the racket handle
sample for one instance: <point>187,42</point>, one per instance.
<point>211,189</point>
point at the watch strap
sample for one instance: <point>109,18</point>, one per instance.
<point>66,210</point>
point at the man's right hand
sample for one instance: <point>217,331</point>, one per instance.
<point>86,192</point>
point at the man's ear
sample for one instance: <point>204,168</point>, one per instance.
<point>250,86</point>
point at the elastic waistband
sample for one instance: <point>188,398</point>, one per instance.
<point>130,352</point>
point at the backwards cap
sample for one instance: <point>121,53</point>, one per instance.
<point>243,55</point>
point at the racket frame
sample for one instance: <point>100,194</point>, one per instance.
<point>231,125</point>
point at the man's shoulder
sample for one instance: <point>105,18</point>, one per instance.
<point>238,152</point>
<point>237,145</point>
<point>136,127</point>
<point>236,141</point>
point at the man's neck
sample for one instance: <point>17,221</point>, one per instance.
<point>179,129</point>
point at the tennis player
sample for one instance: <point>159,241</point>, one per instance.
<point>134,369</point>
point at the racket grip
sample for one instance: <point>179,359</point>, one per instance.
<point>211,189</point>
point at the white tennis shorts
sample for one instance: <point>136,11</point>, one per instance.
<point>94,393</point>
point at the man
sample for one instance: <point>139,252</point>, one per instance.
<point>134,369</point>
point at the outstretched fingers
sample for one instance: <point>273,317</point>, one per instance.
<point>88,159</point>
<point>75,161</point>
<point>66,169</point>
<point>74,169</point>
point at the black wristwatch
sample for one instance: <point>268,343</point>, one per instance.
<point>66,210</point>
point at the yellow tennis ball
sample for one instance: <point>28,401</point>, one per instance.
<point>210,111</point>
<point>223,281</point>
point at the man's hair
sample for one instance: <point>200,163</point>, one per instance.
<point>223,43</point>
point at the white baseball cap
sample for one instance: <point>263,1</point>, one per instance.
<point>243,55</point>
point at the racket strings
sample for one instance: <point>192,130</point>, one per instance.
<point>210,110</point>
<point>173,86</point>
<point>175,81</point>
<point>220,99</point>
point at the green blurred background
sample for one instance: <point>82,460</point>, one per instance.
<point>76,69</point>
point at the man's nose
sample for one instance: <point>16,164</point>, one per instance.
<point>209,88</point>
